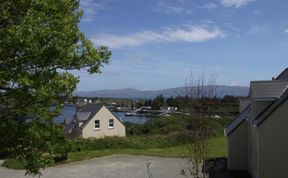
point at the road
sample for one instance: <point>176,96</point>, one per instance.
<point>116,166</point>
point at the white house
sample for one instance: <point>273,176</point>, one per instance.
<point>95,120</point>
<point>257,137</point>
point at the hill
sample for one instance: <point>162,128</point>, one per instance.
<point>147,94</point>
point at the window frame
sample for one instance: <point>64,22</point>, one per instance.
<point>109,122</point>
<point>96,128</point>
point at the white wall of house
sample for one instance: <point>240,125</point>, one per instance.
<point>238,148</point>
<point>273,144</point>
<point>253,151</point>
<point>257,108</point>
<point>103,115</point>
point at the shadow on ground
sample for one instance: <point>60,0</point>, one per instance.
<point>217,168</point>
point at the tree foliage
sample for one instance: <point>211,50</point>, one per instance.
<point>40,42</point>
<point>158,102</point>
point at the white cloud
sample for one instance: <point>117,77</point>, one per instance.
<point>174,7</point>
<point>209,6</point>
<point>186,34</point>
<point>235,3</point>
<point>91,7</point>
<point>286,30</point>
<point>259,28</point>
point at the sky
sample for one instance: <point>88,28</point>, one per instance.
<point>157,44</point>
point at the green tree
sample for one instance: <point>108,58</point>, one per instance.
<point>230,99</point>
<point>158,102</point>
<point>40,43</point>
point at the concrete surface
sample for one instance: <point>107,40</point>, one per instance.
<point>116,166</point>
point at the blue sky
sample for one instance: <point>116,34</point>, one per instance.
<point>156,44</point>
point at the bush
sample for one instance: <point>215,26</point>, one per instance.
<point>218,126</point>
<point>165,125</point>
<point>13,163</point>
<point>133,128</point>
<point>135,142</point>
<point>173,124</point>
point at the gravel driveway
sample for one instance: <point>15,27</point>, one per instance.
<point>116,166</point>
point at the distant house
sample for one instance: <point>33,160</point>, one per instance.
<point>168,109</point>
<point>257,140</point>
<point>94,120</point>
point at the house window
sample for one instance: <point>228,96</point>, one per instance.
<point>111,123</point>
<point>97,125</point>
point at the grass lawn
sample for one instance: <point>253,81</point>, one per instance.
<point>180,151</point>
<point>217,148</point>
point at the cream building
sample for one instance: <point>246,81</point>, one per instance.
<point>95,121</point>
<point>256,138</point>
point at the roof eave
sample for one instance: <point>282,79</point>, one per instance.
<point>229,130</point>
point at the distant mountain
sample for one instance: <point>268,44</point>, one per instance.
<point>148,94</point>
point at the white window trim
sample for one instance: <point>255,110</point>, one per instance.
<point>109,124</point>
<point>98,125</point>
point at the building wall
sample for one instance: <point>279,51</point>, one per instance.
<point>257,108</point>
<point>103,115</point>
<point>273,144</point>
<point>252,151</point>
<point>238,148</point>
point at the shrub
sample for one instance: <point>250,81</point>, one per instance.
<point>13,163</point>
<point>133,142</point>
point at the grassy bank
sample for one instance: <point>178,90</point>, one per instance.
<point>164,136</point>
<point>217,148</point>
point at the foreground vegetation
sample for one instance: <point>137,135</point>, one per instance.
<point>163,136</point>
<point>217,148</point>
<point>41,44</point>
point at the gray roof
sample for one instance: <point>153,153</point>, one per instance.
<point>69,126</point>
<point>93,109</point>
<point>267,90</point>
<point>83,116</point>
<point>271,108</point>
<point>238,120</point>
<point>283,75</point>
<point>67,120</point>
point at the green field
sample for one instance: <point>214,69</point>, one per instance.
<point>164,136</point>
<point>217,148</point>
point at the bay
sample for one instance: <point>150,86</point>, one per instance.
<point>69,111</point>
<point>132,119</point>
